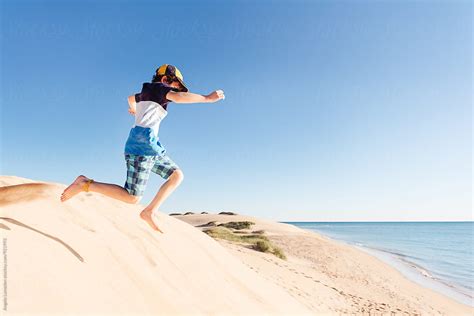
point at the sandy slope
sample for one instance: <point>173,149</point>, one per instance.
<point>94,255</point>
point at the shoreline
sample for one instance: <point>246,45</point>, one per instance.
<point>412,271</point>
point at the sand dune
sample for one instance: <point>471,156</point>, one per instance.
<point>94,255</point>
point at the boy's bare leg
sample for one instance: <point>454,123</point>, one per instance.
<point>165,190</point>
<point>111,190</point>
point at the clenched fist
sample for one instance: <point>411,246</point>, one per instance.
<point>216,96</point>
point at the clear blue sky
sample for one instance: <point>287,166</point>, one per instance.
<point>334,110</point>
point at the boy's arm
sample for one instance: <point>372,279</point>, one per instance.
<point>132,105</point>
<point>189,97</point>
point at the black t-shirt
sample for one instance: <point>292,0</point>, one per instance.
<point>156,92</point>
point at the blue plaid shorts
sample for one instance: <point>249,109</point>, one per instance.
<point>139,168</point>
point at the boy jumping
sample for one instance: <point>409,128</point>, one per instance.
<point>143,150</point>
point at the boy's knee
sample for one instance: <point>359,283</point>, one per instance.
<point>135,199</point>
<point>177,175</point>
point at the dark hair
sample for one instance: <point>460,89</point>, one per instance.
<point>157,78</point>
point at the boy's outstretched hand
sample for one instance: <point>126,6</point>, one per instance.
<point>216,96</point>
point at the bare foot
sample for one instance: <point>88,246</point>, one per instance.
<point>74,188</point>
<point>146,216</point>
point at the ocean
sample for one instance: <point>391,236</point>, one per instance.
<point>437,255</point>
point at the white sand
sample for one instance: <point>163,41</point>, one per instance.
<point>94,255</point>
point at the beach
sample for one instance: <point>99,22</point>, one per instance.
<point>94,255</point>
<point>332,277</point>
